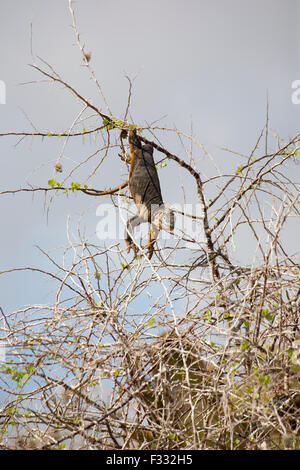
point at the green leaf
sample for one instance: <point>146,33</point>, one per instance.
<point>75,186</point>
<point>290,352</point>
<point>229,315</point>
<point>52,182</point>
<point>125,266</point>
<point>264,380</point>
<point>238,170</point>
<point>10,410</point>
<point>245,345</point>
<point>151,321</point>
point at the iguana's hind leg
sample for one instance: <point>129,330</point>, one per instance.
<point>129,233</point>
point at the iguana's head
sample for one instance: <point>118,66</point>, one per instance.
<point>134,139</point>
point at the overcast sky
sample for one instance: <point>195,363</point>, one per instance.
<point>209,62</point>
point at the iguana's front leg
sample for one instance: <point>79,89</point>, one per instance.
<point>129,232</point>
